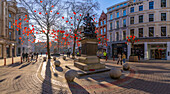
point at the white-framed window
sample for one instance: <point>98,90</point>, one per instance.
<point>111,16</point>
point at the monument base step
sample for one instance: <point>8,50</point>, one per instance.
<point>86,67</point>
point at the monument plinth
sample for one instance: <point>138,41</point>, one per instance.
<point>89,59</point>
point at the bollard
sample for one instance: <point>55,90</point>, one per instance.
<point>113,58</point>
<point>4,61</point>
<point>21,60</point>
<point>12,60</point>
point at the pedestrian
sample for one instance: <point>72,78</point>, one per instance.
<point>32,55</point>
<point>23,56</point>
<point>46,54</point>
<point>124,57</point>
<point>26,56</point>
<point>119,59</point>
<point>41,53</point>
<point>37,55</point>
<point>77,53</point>
<point>69,54</point>
<point>105,55</point>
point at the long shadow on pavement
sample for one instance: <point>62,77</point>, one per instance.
<point>15,64</point>
<point>46,85</point>
<point>24,65</point>
<point>60,69</point>
<point>75,88</point>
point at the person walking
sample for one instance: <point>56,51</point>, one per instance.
<point>46,54</point>
<point>26,56</point>
<point>41,53</point>
<point>23,56</point>
<point>105,55</point>
<point>119,59</point>
<point>124,57</point>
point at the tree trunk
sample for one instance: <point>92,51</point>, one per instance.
<point>74,46</point>
<point>48,47</point>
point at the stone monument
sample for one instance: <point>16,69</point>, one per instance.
<point>89,59</point>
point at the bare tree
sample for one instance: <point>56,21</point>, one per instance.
<point>76,11</point>
<point>44,15</point>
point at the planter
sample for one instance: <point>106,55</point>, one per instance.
<point>64,57</point>
<point>57,63</point>
<point>133,58</point>
<point>54,58</point>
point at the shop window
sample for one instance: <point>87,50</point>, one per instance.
<point>140,32</point>
<point>151,5</point>
<point>131,20</point>
<point>163,3</point>
<point>151,31</point>
<point>163,31</point>
<point>163,16</point>
<point>151,17</point>
<point>10,24</point>
<point>10,36</point>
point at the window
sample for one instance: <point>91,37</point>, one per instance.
<point>151,31</point>
<point>19,32</point>
<point>141,8</point>
<point>134,0</point>
<point>104,22</point>
<point>151,17</point>
<point>132,32</point>
<point>117,36</point>
<point>163,16</point>
<point>124,12</point>
<point>110,26</point>
<point>131,20</point>
<point>10,15</point>
<point>111,17</point>
<point>10,25</point>
<point>117,14</point>
<point>141,19</point>
<point>110,37</point>
<point>110,9</point>
<point>151,5</point>
<point>117,6</point>
<point>163,31</point>
<point>101,23</point>
<point>125,4</point>
<point>10,36</point>
<point>124,35</point>
<point>131,9</point>
<point>19,41</point>
<point>163,3</point>
<point>101,32</point>
<point>121,5</point>
<point>104,30</point>
<point>113,8</point>
<point>117,24</point>
<point>124,22</point>
<point>140,32</point>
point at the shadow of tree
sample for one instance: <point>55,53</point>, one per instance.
<point>75,88</point>
<point>15,64</point>
<point>46,85</point>
<point>2,80</point>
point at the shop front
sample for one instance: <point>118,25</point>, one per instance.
<point>119,48</point>
<point>158,51</point>
<point>139,50</point>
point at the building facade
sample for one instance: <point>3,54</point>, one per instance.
<point>8,11</point>
<point>102,32</point>
<point>22,45</point>
<point>148,20</point>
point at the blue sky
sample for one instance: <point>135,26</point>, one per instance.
<point>107,3</point>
